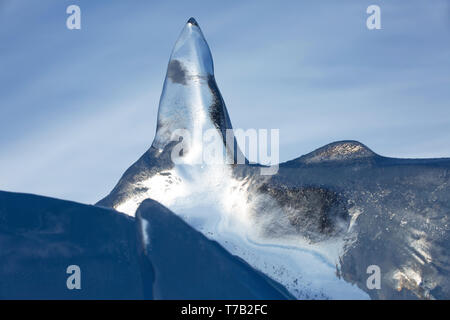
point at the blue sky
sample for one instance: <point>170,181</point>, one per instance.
<point>77,107</point>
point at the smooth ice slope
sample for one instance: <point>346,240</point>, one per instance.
<point>186,265</point>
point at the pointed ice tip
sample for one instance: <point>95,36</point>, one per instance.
<point>191,58</point>
<point>192,21</point>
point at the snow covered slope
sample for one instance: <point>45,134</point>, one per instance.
<point>158,257</point>
<point>186,265</point>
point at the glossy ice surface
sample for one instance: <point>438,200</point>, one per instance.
<point>315,226</point>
